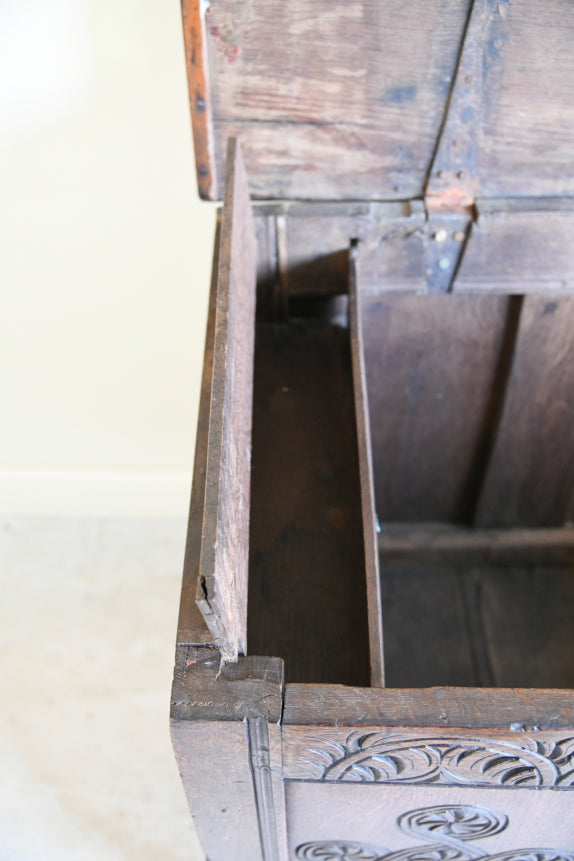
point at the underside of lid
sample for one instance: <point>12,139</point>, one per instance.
<point>369,99</point>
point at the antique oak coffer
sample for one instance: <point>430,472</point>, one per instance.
<point>375,654</point>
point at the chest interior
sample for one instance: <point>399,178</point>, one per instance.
<point>469,413</point>
<point>411,435</point>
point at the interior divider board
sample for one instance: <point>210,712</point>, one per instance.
<point>431,365</point>
<point>530,476</point>
<point>223,568</point>
<point>428,544</point>
<point>374,603</point>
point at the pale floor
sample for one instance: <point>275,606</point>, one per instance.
<point>88,613</point>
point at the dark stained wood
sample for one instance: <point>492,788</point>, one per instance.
<point>223,567</point>
<point>374,604</point>
<point>332,101</point>
<point>487,626</point>
<point>531,472</point>
<point>390,250</point>
<point>213,760</point>
<point>439,545</point>
<point>515,247</point>
<point>427,638</point>
<point>307,591</point>
<point>519,251</point>
<point>432,364</point>
<point>191,627</point>
<point>193,19</point>
<point>226,736</point>
<point>205,688</point>
<point>331,705</point>
<point>528,617</point>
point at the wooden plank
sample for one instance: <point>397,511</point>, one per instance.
<point>332,100</point>
<point>439,545</point>
<point>527,616</point>
<point>475,708</point>
<point>531,473</point>
<point>307,591</point>
<point>225,726</point>
<point>191,627</point>
<point>223,568</point>
<point>193,19</point>
<point>427,639</point>
<point>432,362</point>
<point>529,116</point>
<point>515,247</point>
<point>519,252</point>
<point>374,604</point>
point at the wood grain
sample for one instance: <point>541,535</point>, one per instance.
<point>432,364</point>
<point>213,760</point>
<point>528,617</point>
<point>427,640</point>
<point>529,116</point>
<point>223,568</point>
<point>474,708</point>
<point>225,725</point>
<point>194,36</point>
<point>332,100</point>
<point>531,473</point>
<point>519,251</point>
<point>307,590</point>
<point>374,604</point>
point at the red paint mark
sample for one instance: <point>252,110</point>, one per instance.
<point>231,53</point>
<point>190,661</point>
<point>216,32</point>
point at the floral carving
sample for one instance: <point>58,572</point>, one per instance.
<point>449,827</point>
<point>462,822</point>
<point>337,850</point>
<point>382,758</point>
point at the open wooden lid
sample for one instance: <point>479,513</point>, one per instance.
<point>378,100</point>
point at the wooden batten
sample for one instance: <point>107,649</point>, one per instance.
<point>223,566</point>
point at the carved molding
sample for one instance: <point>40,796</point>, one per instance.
<point>449,827</point>
<point>376,757</point>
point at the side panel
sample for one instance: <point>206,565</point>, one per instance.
<point>223,574</point>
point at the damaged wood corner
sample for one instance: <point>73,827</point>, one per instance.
<point>207,688</point>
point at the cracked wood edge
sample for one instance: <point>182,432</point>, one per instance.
<point>223,567</point>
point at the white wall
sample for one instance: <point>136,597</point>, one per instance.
<point>105,253</point>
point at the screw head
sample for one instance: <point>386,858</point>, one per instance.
<point>458,236</point>
<point>439,235</point>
